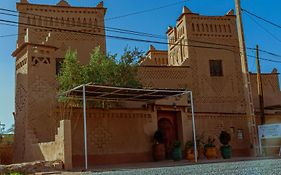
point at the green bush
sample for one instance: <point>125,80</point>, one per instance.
<point>102,69</point>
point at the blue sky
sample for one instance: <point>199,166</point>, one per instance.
<point>154,22</point>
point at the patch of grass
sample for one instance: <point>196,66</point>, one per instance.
<point>14,173</point>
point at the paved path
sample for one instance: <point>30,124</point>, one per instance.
<point>254,167</point>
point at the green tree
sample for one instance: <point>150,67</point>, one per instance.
<point>102,69</point>
<point>71,73</point>
<point>128,68</point>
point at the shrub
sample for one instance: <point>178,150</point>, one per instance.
<point>225,138</point>
<point>158,137</point>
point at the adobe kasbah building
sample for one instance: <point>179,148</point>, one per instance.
<point>123,133</point>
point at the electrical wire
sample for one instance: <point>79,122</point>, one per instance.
<point>145,11</point>
<point>126,38</point>
<point>131,39</point>
<point>12,25</point>
<point>265,20</point>
<point>267,52</point>
<point>84,25</point>
<point>248,48</point>
<point>265,59</point>
<point>111,36</point>
<point>124,31</point>
<point>122,38</point>
<point>267,31</point>
<point>9,35</point>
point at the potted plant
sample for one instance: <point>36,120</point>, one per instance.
<point>158,148</point>
<point>210,149</point>
<point>226,150</point>
<point>189,149</point>
<point>177,154</point>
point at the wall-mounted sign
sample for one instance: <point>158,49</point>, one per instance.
<point>270,131</point>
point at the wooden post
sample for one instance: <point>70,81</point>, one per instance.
<point>259,85</point>
<point>247,86</point>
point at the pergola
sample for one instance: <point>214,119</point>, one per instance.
<point>92,91</point>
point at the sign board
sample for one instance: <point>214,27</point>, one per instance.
<point>270,131</point>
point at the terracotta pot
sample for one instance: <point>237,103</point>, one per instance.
<point>189,154</point>
<point>211,152</point>
<point>158,151</point>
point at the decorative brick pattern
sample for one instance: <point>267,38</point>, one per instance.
<point>101,138</point>
<point>110,131</point>
<point>163,73</point>
<point>21,98</point>
<point>41,88</point>
<point>40,60</point>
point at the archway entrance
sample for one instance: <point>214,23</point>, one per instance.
<point>167,125</point>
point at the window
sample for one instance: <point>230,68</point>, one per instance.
<point>198,28</point>
<point>58,65</point>
<point>240,134</point>
<point>216,68</point>
<point>207,27</point>
<point>229,28</point>
<point>193,28</point>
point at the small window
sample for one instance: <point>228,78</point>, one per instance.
<point>240,134</point>
<point>58,65</point>
<point>193,28</point>
<point>216,68</point>
<point>198,28</point>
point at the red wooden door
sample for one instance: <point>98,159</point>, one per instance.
<point>167,124</point>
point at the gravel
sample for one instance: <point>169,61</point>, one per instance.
<point>257,167</point>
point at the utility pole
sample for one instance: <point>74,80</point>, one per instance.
<point>259,85</point>
<point>246,80</point>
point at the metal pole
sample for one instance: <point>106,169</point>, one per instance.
<point>260,141</point>
<point>193,126</point>
<point>85,128</point>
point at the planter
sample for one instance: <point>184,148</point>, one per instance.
<point>177,154</point>
<point>158,151</point>
<point>211,152</point>
<point>189,154</point>
<point>226,151</point>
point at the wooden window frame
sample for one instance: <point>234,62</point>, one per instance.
<point>216,68</point>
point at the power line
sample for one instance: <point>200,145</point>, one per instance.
<point>267,31</point>
<point>3,36</point>
<point>205,42</point>
<point>265,59</point>
<point>131,39</point>
<point>126,38</point>
<point>13,23</point>
<point>248,48</point>
<point>148,41</point>
<point>113,36</point>
<point>84,25</point>
<point>145,11</point>
<point>267,52</point>
<point>265,20</point>
<point>124,31</point>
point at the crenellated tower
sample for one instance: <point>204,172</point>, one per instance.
<point>46,33</point>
